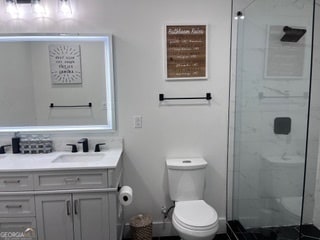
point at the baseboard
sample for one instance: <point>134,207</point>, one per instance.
<point>159,229</point>
<point>165,228</point>
<point>222,226</point>
<point>122,232</point>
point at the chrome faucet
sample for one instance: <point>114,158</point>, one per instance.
<point>85,145</point>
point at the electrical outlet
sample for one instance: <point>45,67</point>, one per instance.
<point>104,105</point>
<point>137,121</point>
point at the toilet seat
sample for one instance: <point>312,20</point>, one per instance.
<point>195,215</point>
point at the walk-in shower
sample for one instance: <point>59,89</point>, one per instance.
<point>273,188</point>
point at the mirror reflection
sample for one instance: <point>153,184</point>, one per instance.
<point>56,82</point>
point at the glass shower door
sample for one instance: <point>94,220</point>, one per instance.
<point>274,46</point>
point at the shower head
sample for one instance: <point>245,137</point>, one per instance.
<point>292,34</point>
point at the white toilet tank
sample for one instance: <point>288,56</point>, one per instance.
<point>186,178</point>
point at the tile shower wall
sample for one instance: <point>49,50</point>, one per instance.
<point>313,170</point>
<point>263,188</point>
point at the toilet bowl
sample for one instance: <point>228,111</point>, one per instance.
<point>192,217</point>
<point>195,220</point>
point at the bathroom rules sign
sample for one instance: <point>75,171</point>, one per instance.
<point>186,52</point>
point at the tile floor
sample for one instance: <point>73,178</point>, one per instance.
<point>218,237</point>
<point>308,232</point>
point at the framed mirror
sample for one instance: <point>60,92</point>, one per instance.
<point>56,82</point>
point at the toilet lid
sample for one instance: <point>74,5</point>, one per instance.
<point>197,215</point>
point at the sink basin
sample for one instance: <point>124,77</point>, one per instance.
<point>82,157</point>
<point>2,156</point>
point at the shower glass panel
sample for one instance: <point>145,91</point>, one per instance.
<point>311,208</point>
<point>273,71</point>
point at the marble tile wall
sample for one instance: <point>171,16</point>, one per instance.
<point>266,194</point>
<point>315,119</point>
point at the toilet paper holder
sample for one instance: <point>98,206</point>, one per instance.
<point>125,195</point>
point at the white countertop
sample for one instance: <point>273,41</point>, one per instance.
<point>45,162</point>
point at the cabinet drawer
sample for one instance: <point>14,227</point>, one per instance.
<point>17,206</point>
<point>71,180</point>
<point>14,182</point>
<point>25,225</point>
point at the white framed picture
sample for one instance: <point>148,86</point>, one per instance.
<point>186,51</point>
<point>65,63</point>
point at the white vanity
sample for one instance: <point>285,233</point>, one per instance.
<point>61,195</point>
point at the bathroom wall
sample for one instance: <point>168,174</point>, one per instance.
<point>93,80</point>
<point>182,130</point>
<point>261,188</point>
<point>30,77</point>
<point>22,102</point>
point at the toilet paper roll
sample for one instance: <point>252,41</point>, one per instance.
<point>125,195</point>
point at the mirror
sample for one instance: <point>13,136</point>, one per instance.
<point>56,82</point>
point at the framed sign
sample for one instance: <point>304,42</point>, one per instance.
<point>65,63</point>
<point>186,52</point>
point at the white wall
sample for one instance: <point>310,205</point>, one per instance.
<point>168,131</point>
<point>20,109</point>
<point>93,81</point>
<point>25,70</point>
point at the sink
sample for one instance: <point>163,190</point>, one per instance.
<point>2,156</point>
<point>81,157</point>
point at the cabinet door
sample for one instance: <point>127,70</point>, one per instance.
<point>90,216</point>
<point>54,217</point>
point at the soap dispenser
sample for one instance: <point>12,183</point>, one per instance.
<point>16,143</point>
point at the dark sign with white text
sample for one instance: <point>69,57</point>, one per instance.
<point>186,51</point>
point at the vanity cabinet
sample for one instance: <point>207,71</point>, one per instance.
<point>16,182</point>
<point>17,206</point>
<point>71,180</point>
<point>54,221</point>
<point>79,216</point>
<point>18,223</point>
<point>17,213</point>
<point>71,204</point>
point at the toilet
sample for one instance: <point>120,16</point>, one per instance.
<point>192,217</point>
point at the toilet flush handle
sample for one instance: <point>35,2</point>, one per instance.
<point>186,161</point>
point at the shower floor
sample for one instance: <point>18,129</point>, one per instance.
<point>308,232</point>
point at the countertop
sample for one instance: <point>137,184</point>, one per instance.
<point>45,162</point>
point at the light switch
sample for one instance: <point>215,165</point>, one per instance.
<point>137,121</point>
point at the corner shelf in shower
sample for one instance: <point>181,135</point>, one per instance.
<point>262,96</point>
